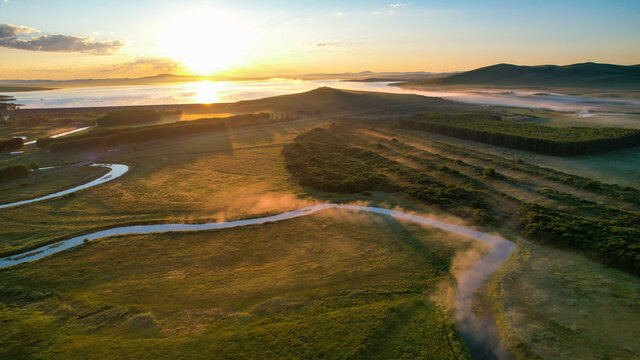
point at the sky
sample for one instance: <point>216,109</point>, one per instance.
<point>49,39</point>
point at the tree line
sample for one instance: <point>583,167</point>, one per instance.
<point>128,117</point>
<point>106,138</point>
<point>491,129</point>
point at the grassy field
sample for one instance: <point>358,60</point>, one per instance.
<point>630,119</point>
<point>206,177</point>
<point>330,285</point>
<point>555,304</point>
<point>48,181</point>
<point>88,296</point>
<point>34,132</point>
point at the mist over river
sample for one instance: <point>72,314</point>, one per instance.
<point>232,91</point>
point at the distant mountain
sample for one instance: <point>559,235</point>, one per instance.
<point>157,79</point>
<point>584,75</point>
<point>171,78</point>
<point>370,76</point>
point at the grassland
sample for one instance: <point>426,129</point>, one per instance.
<point>555,304</point>
<point>105,139</point>
<point>518,181</point>
<point>48,181</point>
<point>330,285</point>
<point>83,302</point>
<point>203,177</point>
<point>605,118</point>
<point>36,125</point>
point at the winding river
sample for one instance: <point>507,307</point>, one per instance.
<point>480,334</point>
<point>116,170</point>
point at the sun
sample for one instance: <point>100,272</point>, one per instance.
<point>206,41</point>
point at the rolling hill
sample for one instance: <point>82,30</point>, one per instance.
<point>583,75</point>
<point>329,100</point>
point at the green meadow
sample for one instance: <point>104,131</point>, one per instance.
<point>331,285</point>
<point>335,284</point>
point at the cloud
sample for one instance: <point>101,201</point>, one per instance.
<point>11,31</point>
<point>9,38</point>
<point>392,9</point>
<point>329,43</point>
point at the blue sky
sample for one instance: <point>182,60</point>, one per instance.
<point>131,38</point>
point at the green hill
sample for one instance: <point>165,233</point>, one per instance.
<point>584,75</point>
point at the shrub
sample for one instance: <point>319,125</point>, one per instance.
<point>13,172</point>
<point>489,172</point>
<point>319,159</point>
<point>611,241</point>
<point>11,144</point>
<point>43,143</point>
<point>592,185</point>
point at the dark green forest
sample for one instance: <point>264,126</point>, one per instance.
<point>491,129</point>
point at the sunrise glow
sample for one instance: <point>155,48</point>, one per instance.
<point>207,41</point>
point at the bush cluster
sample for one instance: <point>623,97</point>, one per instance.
<point>319,159</point>
<point>13,172</point>
<point>611,241</point>
<point>10,144</point>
